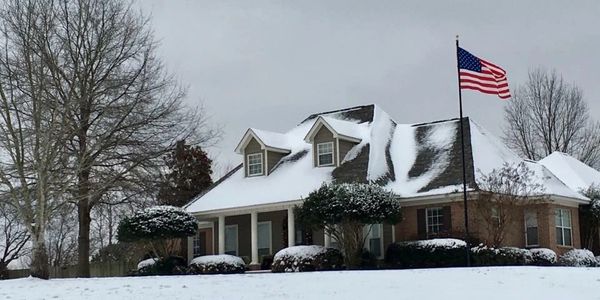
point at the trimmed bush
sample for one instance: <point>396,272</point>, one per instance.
<point>266,263</point>
<point>505,256</point>
<point>172,265</point>
<point>578,258</point>
<point>426,254</point>
<point>542,257</point>
<point>217,264</point>
<point>155,223</point>
<point>307,258</point>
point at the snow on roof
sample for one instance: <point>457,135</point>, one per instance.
<point>574,173</point>
<point>272,139</point>
<point>411,160</point>
<point>347,128</point>
<point>489,153</point>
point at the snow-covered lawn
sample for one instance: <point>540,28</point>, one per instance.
<point>475,283</point>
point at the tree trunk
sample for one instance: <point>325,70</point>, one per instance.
<point>83,239</point>
<point>39,258</point>
<point>83,245</point>
<point>3,270</point>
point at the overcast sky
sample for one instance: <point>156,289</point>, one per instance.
<point>269,64</point>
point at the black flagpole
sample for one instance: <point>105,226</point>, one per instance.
<point>464,168</point>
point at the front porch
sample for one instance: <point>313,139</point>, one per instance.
<point>257,233</point>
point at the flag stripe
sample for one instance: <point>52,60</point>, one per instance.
<point>481,75</point>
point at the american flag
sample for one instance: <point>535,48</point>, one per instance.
<point>481,75</point>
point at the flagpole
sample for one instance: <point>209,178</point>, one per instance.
<point>464,168</point>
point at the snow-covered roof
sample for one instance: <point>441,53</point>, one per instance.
<point>574,173</point>
<point>268,140</point>
<point>412,160</point>
<point>350,130</point>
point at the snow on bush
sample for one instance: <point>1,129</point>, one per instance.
<point>504,256</point>
<point>542,257</point>
<point>217,264</point>
<point>433,253</point>
<point>146,263</point>
<point>578,258</point>
<point>307,258</point>
<point>158,222</point>
<point>441,243</point>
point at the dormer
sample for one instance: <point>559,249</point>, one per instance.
<point>331,140</point>
<point>262,150</point>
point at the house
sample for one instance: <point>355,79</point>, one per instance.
<point>249,212</point>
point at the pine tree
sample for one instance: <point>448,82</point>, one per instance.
<point>189,175</point>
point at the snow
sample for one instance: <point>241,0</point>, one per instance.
<point>442,243</point>
<point>292,181</point>
<point>300,252</point>
<point>382,129</point>
<point>493,283</point>
<point>347,127</point>
<point>489,153</point>
<point>146,263</point>
<point>544,253</point>
<point>218,259</point>
<point>575,174</point>
<point>578,258</point>
<point>272,139</point>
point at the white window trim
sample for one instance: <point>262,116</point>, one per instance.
<point>237,240</point>
<point>262,167</point>
<point>332,155</point>
<point>369,236</point>
<point>537,227</point>
<point>562,227</point>
<point>270,234</point>
<point>427,219</point>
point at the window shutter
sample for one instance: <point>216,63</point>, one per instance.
<point>447,218</point>
<point>421,230</point>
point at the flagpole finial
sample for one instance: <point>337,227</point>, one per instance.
<point>457,37</point>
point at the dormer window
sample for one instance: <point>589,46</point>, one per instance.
<point>325,154</point>
<point>255,164</point>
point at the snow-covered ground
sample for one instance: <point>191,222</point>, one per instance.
<point>459,283</point>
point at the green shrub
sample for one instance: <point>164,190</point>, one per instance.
<point>307,258</point>
<point>578,258</point>
<point>426,254</point>
<point>217,264</point>
<point>172,265</point>
<point>542,257</point>
<point>505,256</point>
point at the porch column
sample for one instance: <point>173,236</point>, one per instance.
<point>221,234</point>
<point>327,240</point>
<point>254,237</point>
<point>393,233</point>
<point>291,227</point>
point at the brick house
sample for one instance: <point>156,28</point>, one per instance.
<point>249,211</point>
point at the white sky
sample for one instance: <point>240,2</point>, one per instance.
<point>269,64</point>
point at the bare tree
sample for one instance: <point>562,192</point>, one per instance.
<point>547,114</point>
<point>32,129</point>
<point>505,194</point>
<point>124,110</point>
<point>13,237</point>
<point>61,237</point>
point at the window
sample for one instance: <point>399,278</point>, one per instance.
<point>374,239</point>
<point>199,244</point>
<point>325,154</point>
<point>231,239</point>
<point>562,219</point>
<point>264,238</point>
<point>255,164</point>
<point>531,229</point>
<point>434,220</point>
